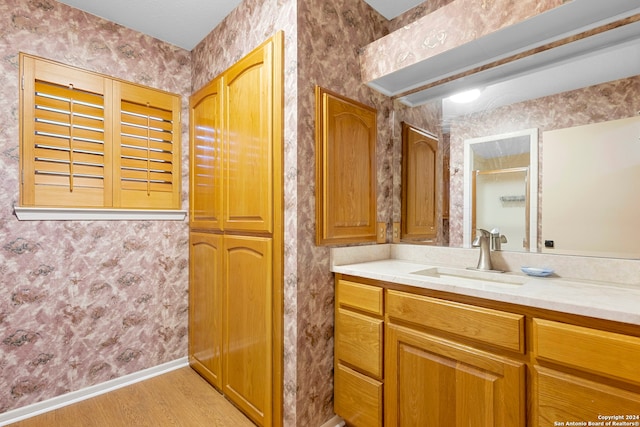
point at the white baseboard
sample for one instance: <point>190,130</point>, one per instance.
<point>29,411</point>
<point>336,421</point>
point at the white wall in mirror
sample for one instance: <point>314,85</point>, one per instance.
<point>590,180</point>
<point>496,147</point>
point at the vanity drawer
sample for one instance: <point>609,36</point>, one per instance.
<point>497,328</point>
<point>358,341</point>
<point>357,398</point>
<point>600,352</point>
<point>359,296</point>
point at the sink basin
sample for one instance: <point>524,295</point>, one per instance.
<point>464,276</point>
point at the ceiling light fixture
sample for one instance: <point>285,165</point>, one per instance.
<point>465,97</point>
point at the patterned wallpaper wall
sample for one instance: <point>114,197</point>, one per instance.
<point>330,35</point>
<point>82,302</point>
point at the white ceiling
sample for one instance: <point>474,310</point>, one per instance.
<point>185,23</point>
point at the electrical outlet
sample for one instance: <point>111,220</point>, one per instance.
<point>382,232</point>
<point>396,232</point>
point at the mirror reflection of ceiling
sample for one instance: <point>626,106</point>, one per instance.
<point>502,147</point>
<point>571,72</point>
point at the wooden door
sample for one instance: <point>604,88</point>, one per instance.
<point>205,306</point>
<point>433,382</point>
<point>205,207</point>
<point>346,182</point>
<point>419,183</point>
<point>247,342</point>
<point>248,143</point>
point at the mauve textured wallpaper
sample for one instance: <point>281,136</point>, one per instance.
<point>330,36</point>
<point>83,302</point>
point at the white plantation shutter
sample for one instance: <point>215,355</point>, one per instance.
<point>92,141</point>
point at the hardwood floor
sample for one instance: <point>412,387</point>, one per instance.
<point>178,398</point>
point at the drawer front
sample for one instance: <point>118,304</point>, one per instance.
<point>600,352</point>
<point>560,396</point>
<point>357,398</point>
<point>358,341</point>
<point>497,328</point>
<point>362,297</point>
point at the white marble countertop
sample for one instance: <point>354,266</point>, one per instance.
<point>600,300</point>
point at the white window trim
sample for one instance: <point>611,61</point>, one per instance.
<point>98,214</point>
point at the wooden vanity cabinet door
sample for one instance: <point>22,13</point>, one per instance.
<point>433,382</point>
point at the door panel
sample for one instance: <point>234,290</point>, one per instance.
<point>248,143</point>
<point>432,382</point>
<point>346,183</point>
<point>205,303</point>
<point>419,183</point>
<point>206,158</point>
<point>248,325</point>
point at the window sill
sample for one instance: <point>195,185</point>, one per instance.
<point>77,214</point>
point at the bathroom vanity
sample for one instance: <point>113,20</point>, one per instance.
<point>432,344</point>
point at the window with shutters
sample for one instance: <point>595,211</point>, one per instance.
<point>91,141</point>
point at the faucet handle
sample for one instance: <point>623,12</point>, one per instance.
<point>483,232</point>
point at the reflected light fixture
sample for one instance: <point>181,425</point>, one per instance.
<point>465,97</point>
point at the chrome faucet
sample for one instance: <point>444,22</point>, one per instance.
<point>482,241</point>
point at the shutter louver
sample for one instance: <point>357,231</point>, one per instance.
<point>148,155</point>
<point>69,137</point>
<point>146,148</point>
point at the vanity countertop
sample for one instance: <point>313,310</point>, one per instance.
<point>595,299</point>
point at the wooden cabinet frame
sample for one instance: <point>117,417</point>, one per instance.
<point>237,195</point>
<point>537,367</point>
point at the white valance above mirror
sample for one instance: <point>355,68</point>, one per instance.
<point>431,60</point>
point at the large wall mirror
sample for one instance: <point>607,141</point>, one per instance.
<point>541,107</point>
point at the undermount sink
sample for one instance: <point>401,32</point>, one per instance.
<point>466,275</point>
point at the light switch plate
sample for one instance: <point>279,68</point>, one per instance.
<point>396,232</point>
<point>382,232</point>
